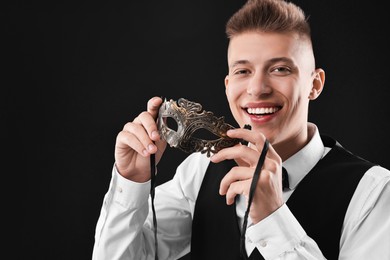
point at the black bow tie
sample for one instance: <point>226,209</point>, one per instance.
<point>285,182</point>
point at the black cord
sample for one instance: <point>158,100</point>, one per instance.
<point>152,188</point>
<point>256,176</point>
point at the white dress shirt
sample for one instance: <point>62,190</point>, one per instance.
<point>125,231</point>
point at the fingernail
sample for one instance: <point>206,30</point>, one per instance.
<point>145,153</point>
<point>155,134</point>
<point>151,147</point>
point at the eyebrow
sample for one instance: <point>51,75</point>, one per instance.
<point>279,59</point>
<point>239,62</point>
<point>271,61</point>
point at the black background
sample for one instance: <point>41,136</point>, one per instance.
<point>75,73</point>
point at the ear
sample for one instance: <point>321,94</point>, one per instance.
<point>318,84</point>
<point>226,81</point>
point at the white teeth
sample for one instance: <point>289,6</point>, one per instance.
<point>262,110</point>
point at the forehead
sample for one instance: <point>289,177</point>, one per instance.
<point>259,47</point>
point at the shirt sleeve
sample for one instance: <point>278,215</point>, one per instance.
<point>366,230</point>
<point>280,236</point>
<point>125,226</point>
<point>119,227</point>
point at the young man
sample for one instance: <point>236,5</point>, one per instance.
<point>336,205</point>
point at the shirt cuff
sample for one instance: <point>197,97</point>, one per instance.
<point>127,193</point>
<point>278,233</point>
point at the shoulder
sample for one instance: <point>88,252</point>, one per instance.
<point>370,205</point>
<point>377,177</point>
<point>373,192</point>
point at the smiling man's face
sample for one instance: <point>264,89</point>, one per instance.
<point>270,83</point>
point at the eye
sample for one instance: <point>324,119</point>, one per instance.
<point>241,72</point>
<point>281,70</point>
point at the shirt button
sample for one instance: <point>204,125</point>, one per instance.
<point>249,240</point>
<point>119,189</point>
<point>263,243</point>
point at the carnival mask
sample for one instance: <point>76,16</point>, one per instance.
<point>189,117</point>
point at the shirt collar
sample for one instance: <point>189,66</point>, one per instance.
<point>300,164</point>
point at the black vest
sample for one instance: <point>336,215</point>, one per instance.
<point>326,190</point>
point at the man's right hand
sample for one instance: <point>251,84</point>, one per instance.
<point>137,141</point>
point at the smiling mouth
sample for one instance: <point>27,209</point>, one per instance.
<point>262,111</point>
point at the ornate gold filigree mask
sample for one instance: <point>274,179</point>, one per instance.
<point>190,117</point>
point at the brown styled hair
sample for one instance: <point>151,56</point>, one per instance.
<point>277,16</point>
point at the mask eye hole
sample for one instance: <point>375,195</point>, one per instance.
<point>204,134</point>
<point>170,123</point>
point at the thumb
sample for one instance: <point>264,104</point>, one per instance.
<point>153,106</point>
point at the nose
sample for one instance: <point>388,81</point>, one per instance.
<point>258,86</point>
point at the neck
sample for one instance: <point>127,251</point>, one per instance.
<point>288,147</point>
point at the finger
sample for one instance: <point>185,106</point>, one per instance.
<point>149,124</point>
<point>148,118</point>
<point>138,136</point>
<point>235,174</point>
<point>153,109</point>
<point>251,136</point>
<point>237,188</point>
<point>239,152</point>
<point>244,173</point>
<point>154,106</point>
<point>124,140</point>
